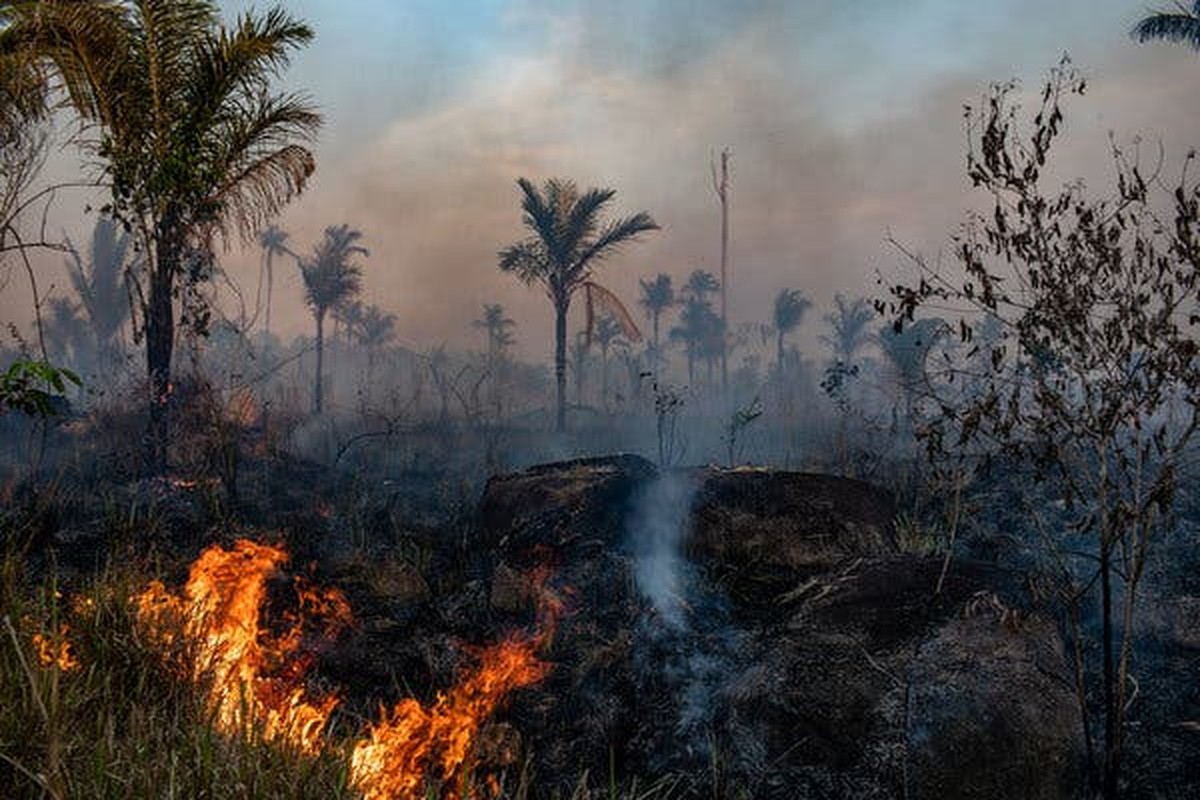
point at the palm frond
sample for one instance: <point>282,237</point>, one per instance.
<point>613,236</point>
<point>235,66</point>
<point>541,216</point>
<point>583,217</point>
<point>527,260</point>
<point>1180,27</point>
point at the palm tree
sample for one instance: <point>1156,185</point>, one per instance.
<point>100,284</point>
<point>1181,26</point>
<point>498,330</point>
<point>848,327</point>
<point>700,284</point>
<point>907,350</point>
<point>698,324</point>
<point>376,330</point>
<point>192,140</point>
<point>712,343</point>
<point>348,316</point>
<point>273,241</point>
<point>790,306</point>
<point>569,238</point>
<point>606,333</point>
<point>331,277</point>
<point>657,296</point>
<point>66,333</point>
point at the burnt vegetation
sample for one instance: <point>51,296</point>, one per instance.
<point>949,551</point>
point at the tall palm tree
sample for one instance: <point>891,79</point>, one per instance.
<point>66,333</point>
<point>497,328</point>
<point>100,283</point>
<point>1181,26</point>
<point>568,239</point>
<point>657,296</point>
<point>906,351</point>
<point>331,277</point>
<point>192,139</point>
<point>790,307</point>
<point>700,284</point>
<point>698,325</point>
<point>376,330</point>
<point>848,327</point>
<point>273,241</point>
<point>348,315</point>
<point>606,333</point>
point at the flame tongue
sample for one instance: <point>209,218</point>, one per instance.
<point>253,677</point>
<point>391,763</point>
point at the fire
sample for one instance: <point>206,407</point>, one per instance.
<point>254,677</point>
<point>186,484</point>
<point>56,651</point>
<point>392,762</point>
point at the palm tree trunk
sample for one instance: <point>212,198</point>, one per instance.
<point>561,304</point>
<point>160,340</point>
<point>779,353</point>
<point>317,394</point>
<point>657,314</point>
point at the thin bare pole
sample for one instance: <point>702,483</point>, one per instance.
<point>721,187</point>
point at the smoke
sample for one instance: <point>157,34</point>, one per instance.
<point>690,643</point>
<point>658,528</point>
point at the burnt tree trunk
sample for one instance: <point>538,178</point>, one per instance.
<point>561,304</point>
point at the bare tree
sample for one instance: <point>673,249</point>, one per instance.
<point>1095,375</point>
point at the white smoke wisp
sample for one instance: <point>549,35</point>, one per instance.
<point>658,528</point>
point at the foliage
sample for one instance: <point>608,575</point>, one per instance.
<point>273,242</point>
<point>32,386</point>
<point>657,296</point>
<point>194,145</point>
<point>848,327</point>
<point>376,328</point>
<point>100,281</point>
<point>700,329</point>
<point>568,239</point>
<point>787,314</point>
<point>331,278</point>
<point>739,422</point>
<point>668,403</point>
<point>1182,26</point>
<point>497,327</point>
<point>1095,374</point>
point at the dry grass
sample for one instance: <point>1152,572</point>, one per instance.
<point>119,724</point>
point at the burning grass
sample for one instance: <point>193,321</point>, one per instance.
<point>130,689</point>
<point>108,721</point>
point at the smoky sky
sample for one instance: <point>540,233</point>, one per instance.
<point>844,119</point>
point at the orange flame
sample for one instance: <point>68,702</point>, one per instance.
<point>56,651</point>
<point>254,678</point>
<point>392,762</point>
